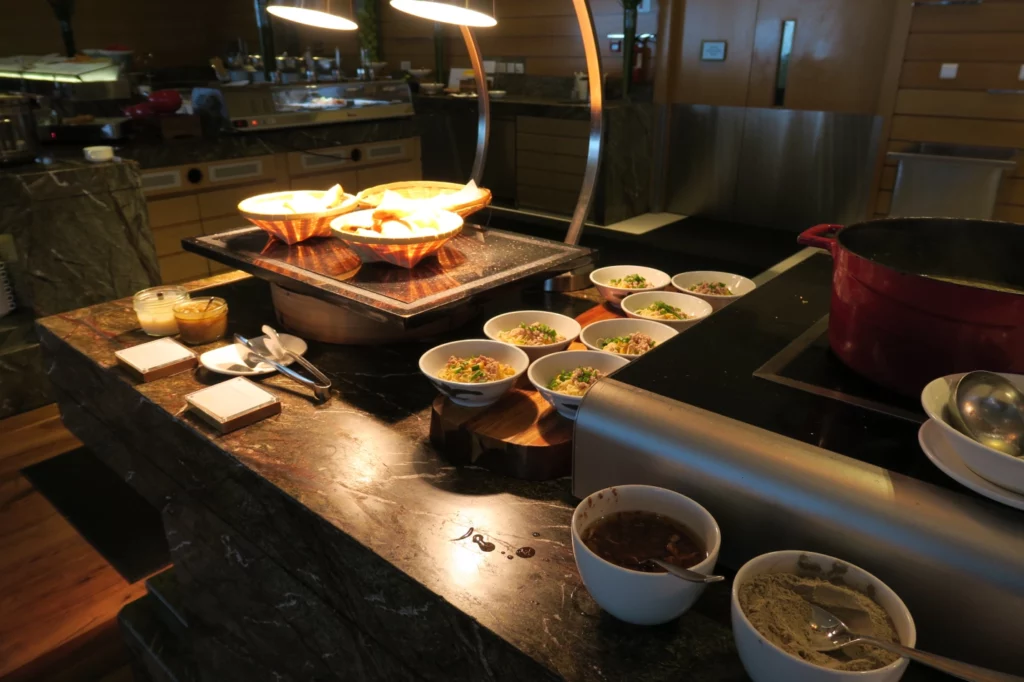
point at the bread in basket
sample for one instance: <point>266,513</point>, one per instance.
<point>271,212</point>
<point>445,196</point>
<point>402,241</point>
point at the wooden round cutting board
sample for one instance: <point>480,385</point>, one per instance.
<point>521,435</point>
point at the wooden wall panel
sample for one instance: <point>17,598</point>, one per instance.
<point>970,76</point>
<point>987,41</point>
<point>839,52</point>
<point>543,32</point>
<point>721,83</point>
<point>178,33</point>
<point>961,104</point>
<point>990,16</point>
<point>966,47</point>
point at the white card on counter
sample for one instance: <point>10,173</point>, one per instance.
<point>148,357</point>
<point>231,399</point>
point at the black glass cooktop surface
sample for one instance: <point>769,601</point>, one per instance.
<point>476,262</point>
<point>765,361</point>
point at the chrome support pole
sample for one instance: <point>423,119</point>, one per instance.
<point>483,134</point>
<point>592,51</point>
<point>579,278</point>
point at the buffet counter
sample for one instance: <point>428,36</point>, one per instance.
<point>333,541</point>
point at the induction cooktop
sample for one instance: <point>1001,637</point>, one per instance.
<point>765,361</point>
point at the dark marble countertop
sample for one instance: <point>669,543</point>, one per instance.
<point>362,463</point>
<point>164,153</point>
<point>380,517</point>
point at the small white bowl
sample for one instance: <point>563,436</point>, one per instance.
<point>497,94</point>
<point>694,308</point>
<point>604,329</point>
<point>432,88</point>
<point>994,466</point>
<point>633,596</point>
<point>765,662</point>
<point>738,285</point>
<point>547,368</point>
<point>473,395</point>
<point>601,277</point>
<point>566,327</point>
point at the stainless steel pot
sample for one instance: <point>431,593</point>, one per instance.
<point>18,140</point>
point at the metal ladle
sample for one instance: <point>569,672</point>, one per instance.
<point>989,409</point>
<point>685,573</point>
<point>828,633</point>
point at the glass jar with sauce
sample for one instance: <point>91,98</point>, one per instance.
<point>203,319</point>
<point>155,309</point>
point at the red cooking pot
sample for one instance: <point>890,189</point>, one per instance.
<point>914,299</point>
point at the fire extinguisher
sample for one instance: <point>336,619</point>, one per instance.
<point>642,58</point>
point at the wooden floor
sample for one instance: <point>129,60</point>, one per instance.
<point>58,597</point>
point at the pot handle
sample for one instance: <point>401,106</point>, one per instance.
<point>820,236</point>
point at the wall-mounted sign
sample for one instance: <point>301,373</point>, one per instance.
<point>712,50</point>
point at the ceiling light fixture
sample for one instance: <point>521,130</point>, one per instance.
<point>475,13</point>
<point>330,14</point>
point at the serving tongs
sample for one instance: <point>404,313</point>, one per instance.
<point>321,386</point>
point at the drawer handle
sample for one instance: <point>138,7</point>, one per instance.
<point>195,176</point>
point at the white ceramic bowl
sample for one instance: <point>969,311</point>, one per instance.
<point>992,465</point>
<point>473,395</point>
<point>604,329</point>
<point>765,662</point>
<point>601,277</point>
<point>694,308</point>
<point>633,596</point>
<point>739,286</point>
<point>548,367</point>
<point>566,327</point>
<point>432,88</point>
<point>497,94</point>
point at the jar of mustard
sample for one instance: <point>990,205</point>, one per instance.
<point>203,319</point>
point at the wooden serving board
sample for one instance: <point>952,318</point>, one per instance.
<point>521,435</point>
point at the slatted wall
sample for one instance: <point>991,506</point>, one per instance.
<point>544,32</point>
<point>987,41</point>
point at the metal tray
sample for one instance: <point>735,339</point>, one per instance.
<point>476,263</point>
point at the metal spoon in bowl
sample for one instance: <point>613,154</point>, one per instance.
<point>685,573</point>
<point>828,633</point>
<point>989,409</point>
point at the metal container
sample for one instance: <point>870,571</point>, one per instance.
<point>18,138</point>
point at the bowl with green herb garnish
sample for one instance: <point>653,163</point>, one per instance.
<point>628,338</point>
<point>678,311</point>
<point>564,378</point>
<point>536,332</point>
<point>616,282</point>
<point>474,372</point>
<point>717,288</point>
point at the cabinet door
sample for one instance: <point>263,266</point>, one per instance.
<point>224,202</point>
<point>349,181</point>
<point>168,239</point>
<point>838,54</point>
<point>183,267</point>
<point>393,172</point>
<point>164,212</point>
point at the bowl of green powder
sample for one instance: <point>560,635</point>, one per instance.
<point>771,611</point>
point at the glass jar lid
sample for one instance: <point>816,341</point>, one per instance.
<point>158,297</point>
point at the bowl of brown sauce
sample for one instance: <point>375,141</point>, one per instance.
<point>618,530</point>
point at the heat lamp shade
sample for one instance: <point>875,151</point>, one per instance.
<point>331,14</point>
<point>476,13</point>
